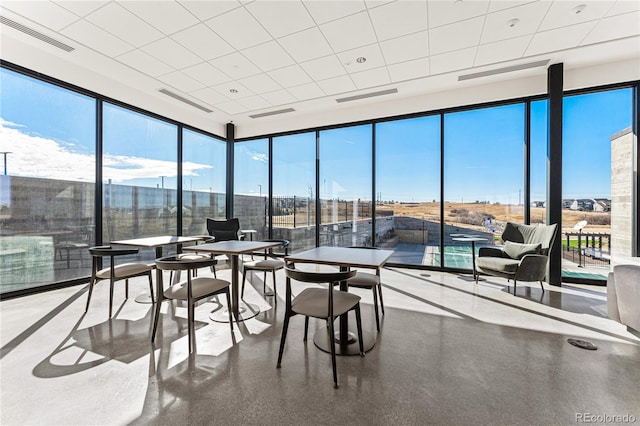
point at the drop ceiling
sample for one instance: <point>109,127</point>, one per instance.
<point>270,66</point>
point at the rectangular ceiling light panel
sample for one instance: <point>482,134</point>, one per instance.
<point>367,95</point>
<point>185,100</point>
<point>266,114</point>
<point>35,34</point>
<point>504,70</point>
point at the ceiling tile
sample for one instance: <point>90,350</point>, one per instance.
<point>279,97</point>
<point>206,74</point>
<point>239,29</point>
<point>529,17</point>
<point>268,56</point>
<point>564,13</point>
<point>455,36</point>
<point>166,15</point>
<point>181,81</point>
<point>208,9</point>
<point>45,13</point>
<point>235,65</point>
<point>170,52</point>
<point>260,83</point>
<point>80,7</point>
<point>231,107</point>
<point>350,32</point>
<point>371,53</point>
<point>139,60</point>
<point>96,38</point>
<point>623,6</point>
<point>210,96</point>
<point>233,90</point>
<point>371,78</point>
<point>614,27</point>
<point>409,70</point>
<point>501,50</point>
<point>323,68</point>
<point>306,91</point>
<point>371,4</point>
<point>124,24</point>
<point>497,5</point>
<point>559,39</point>
<point>399,18</point>
<point>290,76</point>
<point>325,11</point>
<point>306,45</point>
<point>254,102</point>
<point>452,61</point>
<point>202,41</point>
<point>447,12</point>
<point>281,17</point>
<point>405,48</point>
<point>334,86</point>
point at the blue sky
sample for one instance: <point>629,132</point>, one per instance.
<point>51,133</point>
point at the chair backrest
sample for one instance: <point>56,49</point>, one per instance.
<point>223,230</point>
<point>103,251</point>
<point>176,263</point>
<point>285,245</point>
<point>318,277</point>
<point>531,234</point>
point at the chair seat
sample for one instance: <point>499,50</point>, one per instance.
<point>364,280</point>
<point>200,287</point>
<point>264,264</point>
<point>312,302</point>
<point>124,270</point>
<point>500,264</point>
<point>193,256</point>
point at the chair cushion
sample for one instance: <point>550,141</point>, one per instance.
<point>224,235</point>
<point>264,264</point>
<point>519,250</point>
<point>499,264</point>
<point>313,302</point>
<point>194,256</point>
<point>200,287</point>
<point>364,279</point>
<point>125,270</point>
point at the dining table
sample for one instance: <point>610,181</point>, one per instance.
<point>240,309</point>
<point>157,243</point>
<point>345,339</point>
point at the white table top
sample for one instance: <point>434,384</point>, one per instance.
<point>233,247</point>
<point>342,256</point>
<point>163,240</point>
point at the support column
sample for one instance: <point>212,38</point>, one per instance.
<point>231,137</point>
<point>554,169</point>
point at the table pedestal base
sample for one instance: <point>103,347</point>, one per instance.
<point>245,311</point>
<point>322,341</point>
<point>144,298</point>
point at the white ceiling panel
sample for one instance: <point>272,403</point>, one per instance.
<point>350,32</point>
<point>235,65</point>
<point>145,63</point>
<point>337,85</point>
<point>166,15</point>
<point>558,39</point>
<point>455,36</point>
<point>260,83</point>
<point>279,97</point>
<point>281,18</point>
<point>254,102</point>
<point>239,29</point>
<point>202,41</point>
<point>306,45</point>
<point>399,18</point>
<point>452,61</point>
<point>405,48</point>
<point>210,96</point>
<point>323,68</point>
<point>306,91</point>
<point>496,5</point>
<point>529,16</point>
<point>325,11</point>
<point>204,10</point>
<point>170,52</point>
<point>564,13</point>
<point>614,27</point>
<point>624,6</point>
<point>447,12</point>
<point>371,54</point>
<point>123,24</point>
<point>96,38</point>
<point>45,13</point>
<point>501,50</point>
<point>268,56</point>
<point>232,107</point>
<point>181,81</point>
<point>80,7</point>
<point>233,90</point>
<point>290,76</point>
<point>371,78</point>
<point>206,74</point>
<point>409,70</point>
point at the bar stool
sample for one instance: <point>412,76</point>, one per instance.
<point>191,290</point>
<point>116,272</point>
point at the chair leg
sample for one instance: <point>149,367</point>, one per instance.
<point>153,298</point>
<point>333,353</point>
<point>380,297</point>
<point>264,282</point>
<point>541,286</point>
<point>244,277</point>
<point>285,326</point>
<point>91,284</point>
<point>156,318</point>
<point>275,290</point>
<point>111,281</point>
<point>375,308</point>
<point>359,326</point>
<point>306,328</point>
<point>230,313</point>
<point>126,288</point>
<point>514,286</point>
<point>190,322</point>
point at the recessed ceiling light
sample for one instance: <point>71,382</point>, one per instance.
<point>512,23</point>
<point>579,8</point>
<point>361,60</point>
<point>233,91</point>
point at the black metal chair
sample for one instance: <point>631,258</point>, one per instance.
<point>268,264</point>
<point>372,282</point>
<point>327,304</point>
<point>190,290</point>
<point>222,230</point>
<point>116,272</point>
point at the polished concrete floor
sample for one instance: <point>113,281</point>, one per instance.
<point>449,352</point>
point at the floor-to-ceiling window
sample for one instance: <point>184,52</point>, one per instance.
<point>47,182</point>
<point>294,190</point>
<point>346,186</point>
<point>408,189</point>
<point>483,177</point>
<point>139,175</point>
<point>251,186</point>
<point>204,171</point>
<point>538,162</point>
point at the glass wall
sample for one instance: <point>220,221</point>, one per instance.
<point>294,188</point>
<point>204,179</point>
<point>483,177</point>
<point>47,182</point>
<point>346,186</point>
<point>251,187</point>
<point>408,189</point>
<point>538,162</point>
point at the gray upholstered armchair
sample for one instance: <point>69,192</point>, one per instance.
<point>524,256</point>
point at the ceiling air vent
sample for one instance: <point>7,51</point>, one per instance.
<point>185,100</point>
<point>367,95</point>
<point>503,70</point>
<point>35,34</point>
<point>266,114</point>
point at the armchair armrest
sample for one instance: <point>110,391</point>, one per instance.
<point>533,267</point>
<point>490,252</point>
